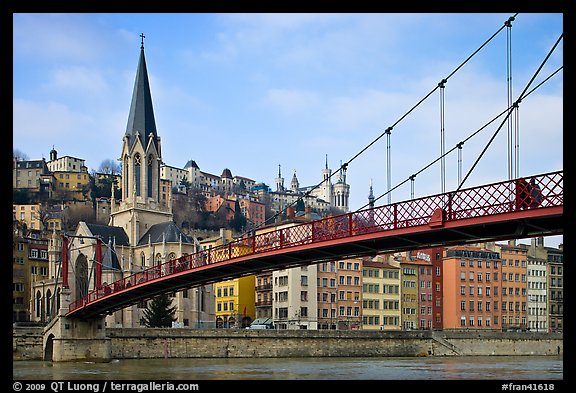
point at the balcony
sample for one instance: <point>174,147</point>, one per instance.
<point>265,287</point>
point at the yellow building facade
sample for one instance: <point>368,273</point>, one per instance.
<point>235,302</point>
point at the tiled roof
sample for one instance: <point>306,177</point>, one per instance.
<point>165,231</point>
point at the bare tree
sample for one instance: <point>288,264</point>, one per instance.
<point>110,167</point>
<point>19,156</point>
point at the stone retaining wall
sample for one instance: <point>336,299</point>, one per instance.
<point>141,343</point>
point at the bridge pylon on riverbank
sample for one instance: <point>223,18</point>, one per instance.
<point>75,339</point>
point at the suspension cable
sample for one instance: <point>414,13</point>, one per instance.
<point>461,143</point>
<point>520,98</point>
<point>389,129</point>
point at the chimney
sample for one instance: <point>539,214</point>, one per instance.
<point>289,212</point>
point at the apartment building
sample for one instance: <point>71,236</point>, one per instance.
<point>556,290</point>
<point>263,304</point>
<point>28,174</point>
<point>30,266</point>
<point>408,294</point>
<point>294,298</point>
<point>29,214</point>
<point>472,284</point>
<point>537,294</point>
<point>380,293</point>
<point>235,302</point>
<point>434,256</point>
<point>514,311</point>
<point>350,294</point>
<point>327,296</point>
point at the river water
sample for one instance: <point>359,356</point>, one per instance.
<point>507,368</point>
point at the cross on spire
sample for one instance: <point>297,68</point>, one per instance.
<point>142,36</point>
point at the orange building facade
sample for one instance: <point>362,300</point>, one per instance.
<point>514,286</point>
<point>472,289</point>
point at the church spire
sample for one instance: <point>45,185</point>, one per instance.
<point>371,198</point>
<point>141,121</point>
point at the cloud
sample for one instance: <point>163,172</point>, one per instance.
<point>83,79</point>
<point>45,123</point>
<point>71,36</point>
<point>291,101</point>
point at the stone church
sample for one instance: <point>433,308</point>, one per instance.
<point>140,234</point>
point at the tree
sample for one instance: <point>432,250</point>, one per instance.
<point>160,312</point>
<point>110,167</point>
<point>19,156</point>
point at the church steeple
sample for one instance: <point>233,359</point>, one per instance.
<point>141,121</point>
<point>279,181</point>
<point>143,204</point>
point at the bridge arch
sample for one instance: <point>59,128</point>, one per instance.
<point>49,347</point>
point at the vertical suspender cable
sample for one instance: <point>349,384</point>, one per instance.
<point>388,165</point>
<point>442,138</point>
<point>459,146</point>
<point>517,139</point>
<point>510,121</point>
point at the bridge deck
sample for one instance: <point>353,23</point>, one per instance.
<point>492,212</point>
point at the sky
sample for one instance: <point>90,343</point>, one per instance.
<point>250,92</point>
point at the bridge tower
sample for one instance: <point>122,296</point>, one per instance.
<point>65,338</point>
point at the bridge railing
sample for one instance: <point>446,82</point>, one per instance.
<point>536,192</point>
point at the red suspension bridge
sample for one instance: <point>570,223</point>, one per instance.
<point>510,209</point>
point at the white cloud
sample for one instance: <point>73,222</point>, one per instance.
<point>71,36</point>
<point>45,124</point>
<point>83,79</point>
<point>293,101</point>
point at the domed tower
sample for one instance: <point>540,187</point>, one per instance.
<point>53,154</point>
<point>341,191</point>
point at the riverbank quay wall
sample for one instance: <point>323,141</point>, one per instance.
<point>143,343</point>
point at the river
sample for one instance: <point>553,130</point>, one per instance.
<point>507,368</point>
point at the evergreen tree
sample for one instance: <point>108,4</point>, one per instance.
<point>159,312</point>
